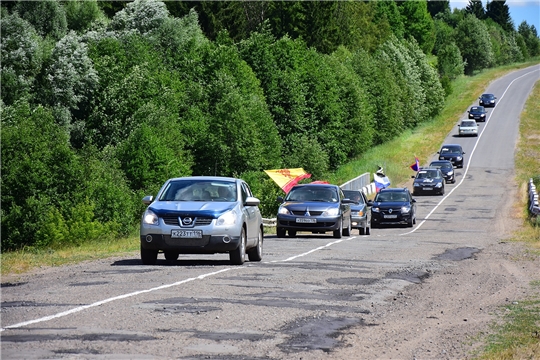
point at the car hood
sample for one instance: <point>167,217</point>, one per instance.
<point>391,204</point>
<point>312,205</point>
<point>357,207</point>
<point>200,208</point>
<point>427,181</point>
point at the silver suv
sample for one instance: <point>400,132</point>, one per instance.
<point>202,215</point>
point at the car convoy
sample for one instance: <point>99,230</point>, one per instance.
<point>212,214</point>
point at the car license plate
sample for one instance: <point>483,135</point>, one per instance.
<point>186,234</point>
<point>428,188</point>
<point>306,220</point>
<point>390,216</point>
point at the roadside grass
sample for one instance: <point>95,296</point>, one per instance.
<point>517,335</point>
<point>27,260</point>
<point>395,156</point>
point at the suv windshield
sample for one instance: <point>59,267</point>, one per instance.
<point>194,190</point>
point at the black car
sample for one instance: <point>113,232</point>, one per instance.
<point>428,181</point>
<point>316,208</point>
<point>477,113</point>
<point>453,153</point>
<point>447,169</point>
<point>393,206</point>
<point>360,214</point>
<point>487,100</point>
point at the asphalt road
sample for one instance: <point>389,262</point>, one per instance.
<point>292,305</point>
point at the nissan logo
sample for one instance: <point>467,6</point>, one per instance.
<point>187,221</point>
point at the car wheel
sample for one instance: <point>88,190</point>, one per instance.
<point>255,253</point>
<point>238,255</point>
<point>368,232</point>
<point>171,255</point>
<point>347,231</point>
<point>292,233</point>
<point>148,256</point>
<point>337,233</point>
<point>362,230</point>
<point>442,191</point>
<point>410,223</point>
<point>280,232</point>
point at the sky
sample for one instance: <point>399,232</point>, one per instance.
<point>520,10</point>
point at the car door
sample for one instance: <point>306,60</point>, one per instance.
<point>345,209</point>
<point>251,214</point>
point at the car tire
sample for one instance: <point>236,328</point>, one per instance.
<point>238,255</point>
<point>292,233</point>
<point>368,232</point>
<point>410,223</point>
<point>148,256</point>
<point>170,255</point>
<point>280,232</point>
<point>338,232</point>
<point>362,230</point>
<point>347,231</point>
<point>255,253</point>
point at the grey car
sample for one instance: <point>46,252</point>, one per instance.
<point>202,215</point>
<point>316,208</point>
<point>360,214</point>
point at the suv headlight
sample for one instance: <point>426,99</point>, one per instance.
<point>150,218</point>
<point>405,209</point>
<point>229,218</point>
<point>375,209</point>
<point>438,185</point>
<point>459,158</point>
<point>331,212</point>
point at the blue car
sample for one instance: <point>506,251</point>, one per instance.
<point>315,208</point>
<point>360,214</point>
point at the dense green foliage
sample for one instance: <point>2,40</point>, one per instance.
<point>103,101</point>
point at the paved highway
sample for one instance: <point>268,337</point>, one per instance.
<point>296,303</point>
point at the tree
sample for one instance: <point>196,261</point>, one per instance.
<point>438,6</point>
<point>48,17</point>
<point>498,11</point>
<point>81,14</point>
<point>418,23</point>
<point>141,15</point>
<point>530,38</point>
<point>475,7</point>
<point>22,57</point>
<point>473,40</point>
<point>70,78</point>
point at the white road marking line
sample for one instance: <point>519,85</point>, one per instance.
<point>200,277</point>
<point>470,156</point>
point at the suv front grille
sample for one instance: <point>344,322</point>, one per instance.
<point>173,220</point>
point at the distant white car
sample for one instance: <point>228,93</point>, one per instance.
<point>468,128</point>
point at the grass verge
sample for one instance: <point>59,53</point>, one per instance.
<point>395,157</point>
<point>518,335</point>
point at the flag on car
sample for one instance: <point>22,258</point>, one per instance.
<point>381,182</point>
<point>416,165</point>
<point>287,178</point>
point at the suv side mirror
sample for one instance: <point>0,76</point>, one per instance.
<point>280,199</point>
